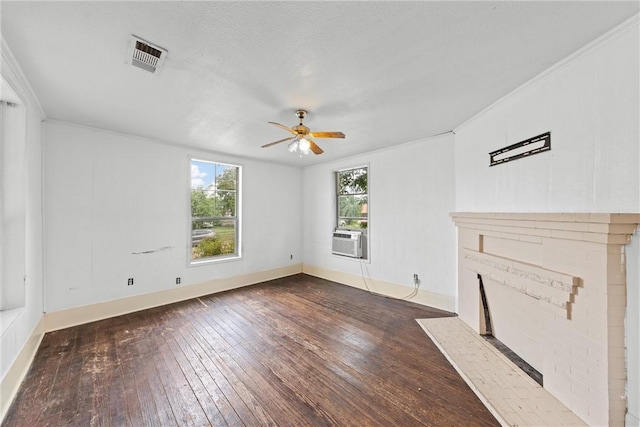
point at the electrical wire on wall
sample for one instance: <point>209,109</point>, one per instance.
<point>364,279</point>
<point>416,286</point>
<point>414,292</point>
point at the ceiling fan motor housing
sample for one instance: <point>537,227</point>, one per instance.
<point>301,114</point>
<point>301,129</point>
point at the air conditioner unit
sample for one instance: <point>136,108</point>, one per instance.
<point>347,243</point>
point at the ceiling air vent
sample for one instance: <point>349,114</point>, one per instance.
<point>145,55</point>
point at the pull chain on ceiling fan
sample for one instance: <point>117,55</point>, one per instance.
<point>301,141</point>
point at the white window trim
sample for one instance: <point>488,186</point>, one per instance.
<point>366,231</point>
<point>239,247</point>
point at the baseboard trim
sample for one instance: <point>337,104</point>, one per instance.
<point>90,313</point>
<point>19,368</point>
<point>423,297</point>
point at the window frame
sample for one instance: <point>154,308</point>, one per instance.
<point>366,232</point>
<point>237,218</point>
<point>337,195</point>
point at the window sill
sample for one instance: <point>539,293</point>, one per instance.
<point>210,261</point>
<point>349,258</point>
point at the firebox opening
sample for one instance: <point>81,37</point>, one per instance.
<point>488,336</point>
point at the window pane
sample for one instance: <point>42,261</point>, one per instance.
<point>346,206</point>
<point>213,238</point>
<point>352,206</point>
<point>362,207</point>
<point>353,181</point>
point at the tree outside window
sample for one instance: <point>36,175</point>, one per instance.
<point>353,198</point>
<point>214,206</point>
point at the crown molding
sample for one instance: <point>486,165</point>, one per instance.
<point>10,70</point>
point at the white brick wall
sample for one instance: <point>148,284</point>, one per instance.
<point>574,334</point>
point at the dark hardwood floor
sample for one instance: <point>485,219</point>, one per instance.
<point>289,352</point>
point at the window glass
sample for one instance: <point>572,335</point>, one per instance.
<point>352,198</point>
<point>214,210</point>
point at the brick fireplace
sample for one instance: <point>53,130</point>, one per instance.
<point>555,286</point>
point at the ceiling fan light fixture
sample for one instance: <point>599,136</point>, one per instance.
<point>299,145</point>
<point>304,145</point>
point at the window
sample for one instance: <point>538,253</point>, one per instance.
<point>215,228</point>
<point>352,198</point>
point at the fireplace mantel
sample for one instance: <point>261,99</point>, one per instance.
<point>556,290</point>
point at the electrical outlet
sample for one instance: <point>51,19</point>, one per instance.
<point>291,256</point>
<point>416,280</point>
<point>177,280</point>
<point>130,281</point>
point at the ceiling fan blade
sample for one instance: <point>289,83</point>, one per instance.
<point>326,134</point>
<point>284,127</point>
<point>314,147</point>
<point>277,142</point>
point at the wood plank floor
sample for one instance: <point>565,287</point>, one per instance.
<point>290,352</point>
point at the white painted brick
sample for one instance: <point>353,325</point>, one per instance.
<point>581,326</point>
<point>562,351</point>
<point>615,320</point>
<point>580,370</point>
<point>588,246</point>
<point>579,392</point>
<point>578,347</point>
<point>617,290</point>
<point>538,232</point>
<point>598,331</point>
<point>598,411</point>
<point>582,407</point>
<point>615,264</point>
<point>579,311</point>
<point>596,349</point>
<point>616,338</point>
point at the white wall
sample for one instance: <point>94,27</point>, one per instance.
<point>590,106</point>
<point>411,192</point>
<point>20,326</point>
<point>108,195</point>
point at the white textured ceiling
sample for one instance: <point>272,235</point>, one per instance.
<point>384,73</point>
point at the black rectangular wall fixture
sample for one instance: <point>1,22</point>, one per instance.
<point>528,147</point>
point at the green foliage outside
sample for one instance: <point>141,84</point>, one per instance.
<point>212,246</point>
<point>352,198</point>
<point>214,208</point>
<point>352,181</point>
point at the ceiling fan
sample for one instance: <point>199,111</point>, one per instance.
<point>301,140</point>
